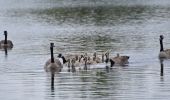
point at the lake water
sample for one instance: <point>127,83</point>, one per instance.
<point>128,27</point>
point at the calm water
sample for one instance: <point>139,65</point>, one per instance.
<point>128,27</point>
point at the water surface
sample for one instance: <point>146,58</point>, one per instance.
<point>128,27</point>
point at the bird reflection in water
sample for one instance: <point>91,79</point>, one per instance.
<point>52,81</point>
<point>6,51</point>
<point>162,69</point>
<point>52,85</point>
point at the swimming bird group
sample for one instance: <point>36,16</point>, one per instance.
<point>78,60</point>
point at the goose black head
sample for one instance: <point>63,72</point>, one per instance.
<point>161,37</point>
<point>5,32</point>
<point>59,55</point>
<point>51,45</point>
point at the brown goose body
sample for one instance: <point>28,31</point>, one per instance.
<point>7,44</point>
<point>56,66</point>
<point>120,60</point>
<point>165,54</point>
<point>53,65</point>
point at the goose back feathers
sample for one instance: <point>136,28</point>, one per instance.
<point>54,65</point>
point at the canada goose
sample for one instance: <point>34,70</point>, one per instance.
<point>119,60</point>
<point>54,65</point>
<point>163,53</point>
<point>6,43</point>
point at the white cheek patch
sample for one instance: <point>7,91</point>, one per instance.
<point>107,64</point>
<point>61,60</point>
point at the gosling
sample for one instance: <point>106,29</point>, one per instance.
<point>95,59</point>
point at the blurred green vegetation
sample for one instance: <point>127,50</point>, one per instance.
<point>99,15</point>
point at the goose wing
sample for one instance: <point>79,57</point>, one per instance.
<point>9,42</point>
<point>120,59</point>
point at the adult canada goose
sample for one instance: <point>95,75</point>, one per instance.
<point>6,43</point>
<point>163,53</point>
<point>54,65</point>
<point>118,60</point>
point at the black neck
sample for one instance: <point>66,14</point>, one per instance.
<point>102,57</point>
<point>68,63</point>
<point>5,42</point>
<point>161,45</point>
<point>112,63</point>
<point>64,60</point>
<point>85,66</point>
<point>52,55</point>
